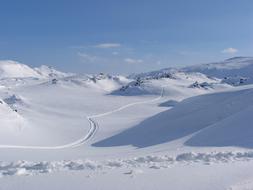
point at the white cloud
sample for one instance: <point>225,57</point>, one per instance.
<point>158,62</point>
<point>108,45</point>
<point>115,53</point>
<point>87,57</point>
<point>133,61</point>
<point>230,50</point>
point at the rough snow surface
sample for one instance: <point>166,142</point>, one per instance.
<point>150,161</point>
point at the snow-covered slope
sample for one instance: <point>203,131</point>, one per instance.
<point>50,72</point>
<point>106,82</point>
<point>9,69</point>
<point>235,71</point>
<point>159,125</point>
<point>13,69</point>
<point>232,66</point>
<point>150,83</point>
<point>103,82</point>
<point>11,121</point>
<point>219,119</point>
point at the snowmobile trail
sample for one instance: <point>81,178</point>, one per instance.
<point>94,126</point>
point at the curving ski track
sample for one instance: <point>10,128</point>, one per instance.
<point>94,126</point>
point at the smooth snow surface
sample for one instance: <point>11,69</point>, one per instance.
<point>188,128</point>
<point>10,68</point>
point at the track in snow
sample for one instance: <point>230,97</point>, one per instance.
<point>94,126</point>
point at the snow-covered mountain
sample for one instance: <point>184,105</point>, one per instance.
<point>50,72</point>
<point>15,73</point>
<point>13,69</point>
<point>234,71</point>
<point>106,126</point>
<point>230,67</point>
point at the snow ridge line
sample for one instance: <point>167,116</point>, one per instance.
<point>19,168</point>
<point>94,126</point>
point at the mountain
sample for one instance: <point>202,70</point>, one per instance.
<point>13,69</point>
<point>50,72</point>
<point>234,71</point>
<point>229,67</point>
<point>87,128</point>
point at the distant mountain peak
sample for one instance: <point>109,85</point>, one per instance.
<point>14,69</point>
<point>49,71</point>
<point>238,58</point>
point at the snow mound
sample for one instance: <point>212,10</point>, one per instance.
<point>219,119</point>
<point>106,82</point>
<point>101,82</point>
<point>163,73</point>
<point>150,83</point>
<point>139,87</point>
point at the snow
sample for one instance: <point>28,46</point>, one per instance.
<point>47,72</point>
<point>10,68</point>
<point>11,122</point>
<point>233,69</point>
<point>186,128</point>
<point>137,163</point>
<point>198,176</point>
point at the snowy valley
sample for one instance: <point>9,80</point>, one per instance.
<point>191,124</point>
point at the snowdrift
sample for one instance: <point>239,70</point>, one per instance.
<point>219,119</point>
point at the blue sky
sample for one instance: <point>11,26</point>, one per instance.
<point>124,36</point>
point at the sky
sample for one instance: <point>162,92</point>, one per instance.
<point>124,36</point>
